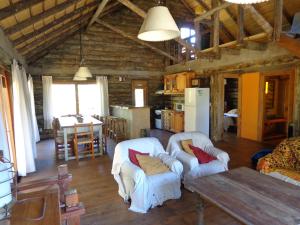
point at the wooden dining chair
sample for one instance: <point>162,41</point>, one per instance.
<point>84,138</point>
<point>120,129</point>
<point>59,141</point>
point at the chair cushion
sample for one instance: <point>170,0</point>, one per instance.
<point>185,146</point>
<point>151,165</point>
<point>132,156</point>
<point>201,155</point>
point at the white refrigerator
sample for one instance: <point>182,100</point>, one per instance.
<point>196,110</point>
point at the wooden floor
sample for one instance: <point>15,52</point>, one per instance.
<point>98,190</point>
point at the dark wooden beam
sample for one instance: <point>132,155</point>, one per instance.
<point>53,23</point>
<point>38,17</point>
<point>122,33</point>
<point>111,8</point>
<point>17,7</point>
<point>55,33</point>
<point>98,12</point>
<point>260,20</point>
<point>216,28</point>
<point>240,22</point>
<point>187,6</point>
<point>212,11</point>
<point>224,29</point>
<point>197,35</point>
<point>278,11</point>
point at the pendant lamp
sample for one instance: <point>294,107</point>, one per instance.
<point>244,2</point>
<point>158,25</point>
<point>83,72</point>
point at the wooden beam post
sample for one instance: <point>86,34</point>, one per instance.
<point>122,33</point>
<point>216,27</point>
<point>98,12</point>
<point>260,20</point>
<point>278,11</point>
<point>240,22</point>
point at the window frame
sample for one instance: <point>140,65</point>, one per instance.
<point>139,84</point>
<point>76,83</point>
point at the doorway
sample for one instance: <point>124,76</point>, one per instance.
<point>231,105</point>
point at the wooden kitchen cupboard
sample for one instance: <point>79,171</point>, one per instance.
<point>172,120</point>
<point>176,83</point>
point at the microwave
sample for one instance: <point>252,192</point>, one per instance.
<point>179,106</point>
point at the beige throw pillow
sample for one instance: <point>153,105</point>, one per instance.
<point>151,165</point>
<point>185,146</point>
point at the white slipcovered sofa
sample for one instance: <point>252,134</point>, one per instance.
<point>145,191</point>
<point>191,167</point>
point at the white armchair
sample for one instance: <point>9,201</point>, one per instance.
<point>145,191</point>
<point>192,169</point>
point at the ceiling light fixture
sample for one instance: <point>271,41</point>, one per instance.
<point>244,2</point>
<point>83,72</point>
<point>158,24</point>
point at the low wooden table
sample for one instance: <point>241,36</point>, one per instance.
<point>250,197</point>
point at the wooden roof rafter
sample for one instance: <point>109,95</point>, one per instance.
<point>40,16</point>
<point>54,33</point>
<point>98,12</point>
<point>53,23</point>
<point>17,7</point>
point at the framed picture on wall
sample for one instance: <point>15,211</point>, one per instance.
<point>196,82</point>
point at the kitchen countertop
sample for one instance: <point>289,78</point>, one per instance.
<point>128,107</point>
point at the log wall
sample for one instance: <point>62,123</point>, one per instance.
<point>105,53</point>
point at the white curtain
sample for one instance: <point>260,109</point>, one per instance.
<point>34,125</point>
<point>4,143</point>
<point>102,84</point>
<point>47,101</point>
<point>24,135</point>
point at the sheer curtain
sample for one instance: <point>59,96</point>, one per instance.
<point>35,126</point>
<point>102,85</point>
<point>24,138</point>
<point>47,101</point>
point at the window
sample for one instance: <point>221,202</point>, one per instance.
<point>87,97</point>
<point>74,99</point>
<point>188,34</point>
<point>64,99</point>
<point>139,92</point>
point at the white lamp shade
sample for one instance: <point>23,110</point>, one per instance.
<point>82,73</point>
<point>246,1</point>
<point>158,25</point>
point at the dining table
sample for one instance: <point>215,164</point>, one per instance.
<point>67,125</point>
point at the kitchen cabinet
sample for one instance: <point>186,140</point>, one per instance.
<point>173,120</point>
<point>176,83</point>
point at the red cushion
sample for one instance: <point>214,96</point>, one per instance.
<point>132,156</point>
<point>201,155</point>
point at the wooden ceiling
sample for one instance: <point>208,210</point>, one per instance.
<point>35,25</point>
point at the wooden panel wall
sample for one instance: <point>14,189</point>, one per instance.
<point>104,50</point>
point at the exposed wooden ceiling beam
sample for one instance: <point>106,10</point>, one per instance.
<point>53,23</point>
<point>291,44</point>
<point>260,20</point>
<point>17,7</point>
<point>143,14</point>
<point>43,50</point>
<point>111,8</point>
<point>240,22</point>
<point>38,17</point>
<point>224,29</point>
<point>98,12</point>
<point>278,14</point>
<point>216,27</point>
<point>54,33</point>
<point>122,33</point>
<point>212,11</point>
<point>187,6</point>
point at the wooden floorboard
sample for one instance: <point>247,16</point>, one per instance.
<point>99,192</point>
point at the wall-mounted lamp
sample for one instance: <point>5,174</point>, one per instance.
<point>266,87</point>
<point>121,78</point>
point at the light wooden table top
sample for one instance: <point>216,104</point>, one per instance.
<point>251,197</point>
<point>69,121</point>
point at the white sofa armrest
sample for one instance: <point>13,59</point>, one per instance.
<point>188,161</point>
<point>174,165</point>
<point>219,154</point>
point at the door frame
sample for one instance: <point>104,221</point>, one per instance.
<point>238,77</point>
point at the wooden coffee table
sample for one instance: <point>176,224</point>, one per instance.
<point>249,197</point>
